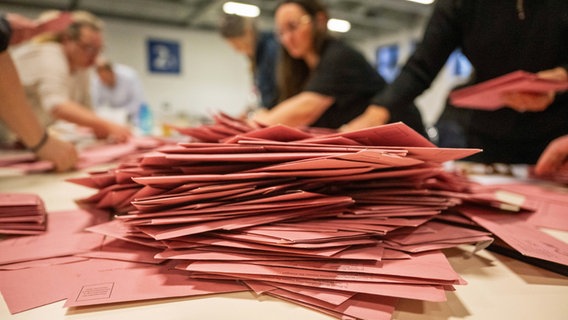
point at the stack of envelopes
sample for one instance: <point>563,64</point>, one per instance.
<point>22,213</point>
<point>339,222</point>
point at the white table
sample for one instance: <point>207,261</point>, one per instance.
<point>498,287</point>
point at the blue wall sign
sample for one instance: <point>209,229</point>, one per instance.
<point>163,56</point>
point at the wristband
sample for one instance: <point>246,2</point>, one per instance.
<point>41,142</point>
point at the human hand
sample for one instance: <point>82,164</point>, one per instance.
<point>532,101</point>
<point>528,101</point>
<point>374,116</point>
<point>112,132</point>
<point>61,153</point>
<point>557,74</point>
<point>554,158</point>
<point>259,115</point>
<point>118,133</point>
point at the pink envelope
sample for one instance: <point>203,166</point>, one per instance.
<point>48,284</point>
<point>427,265</point>
<point>360,306</point>
<point>274,133</point>
<point>259,248</point>
<point>488,95</point>
<point>393,134</point>
<point>519,234</point>
<point>116,249</point>
<point>47,246</point>
<point>435,232</point>
<point>314,145</point>
<point>401,290</point>
<point>329,296</point>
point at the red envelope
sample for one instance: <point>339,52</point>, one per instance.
<point>488,95</point>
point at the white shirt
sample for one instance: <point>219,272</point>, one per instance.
<point>45,74</point>
<point>126,94</point>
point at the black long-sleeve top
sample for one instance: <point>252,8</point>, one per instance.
<point>497,37</point>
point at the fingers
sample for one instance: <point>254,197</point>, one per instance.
<point>112,132</point>
<point>62,154</point>
<point>554,157</point>
<point>557,74</point>
<point>528,101</point>
<point>548,162</point>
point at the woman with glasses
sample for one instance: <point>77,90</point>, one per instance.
<point>53,70</point>
<point>322,81</point>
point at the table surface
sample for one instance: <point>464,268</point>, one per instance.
<point>498,287</point>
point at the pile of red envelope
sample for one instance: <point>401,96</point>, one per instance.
<point>343,223</point>
<point>339,222</point>
<point>22,213</point>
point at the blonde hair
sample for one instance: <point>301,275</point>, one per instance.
<point>79,18</point>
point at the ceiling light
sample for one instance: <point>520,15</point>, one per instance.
<point>423,1</point>
<point>241,9</point>
<point>338,25</point>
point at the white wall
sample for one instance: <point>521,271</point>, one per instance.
<point>213,76</point>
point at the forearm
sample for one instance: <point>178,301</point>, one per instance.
<point>14,109</point>
<point>374,115</point>
<point>300,110</point>
<point>441,37</point>
<point>80,115</point>
<point>75,113</point>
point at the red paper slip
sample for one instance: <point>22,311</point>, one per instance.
<point>488,95</point>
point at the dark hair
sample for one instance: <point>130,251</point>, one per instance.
<point>103,63</point>
<point>293,73</point>
<point>233,25</point>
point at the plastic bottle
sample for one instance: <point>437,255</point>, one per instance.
<point>166,119</point>
<point>145,120</point>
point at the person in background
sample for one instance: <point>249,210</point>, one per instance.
<point>554,158</point>
<point>260,47</point>
<point>322,81</point>
<point>53,69</point>
<point>116,86</point>
<point>15,110</point>
<point>498,37</point>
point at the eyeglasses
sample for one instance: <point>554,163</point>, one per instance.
<point>88,48</point>
<point>291,27</point>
